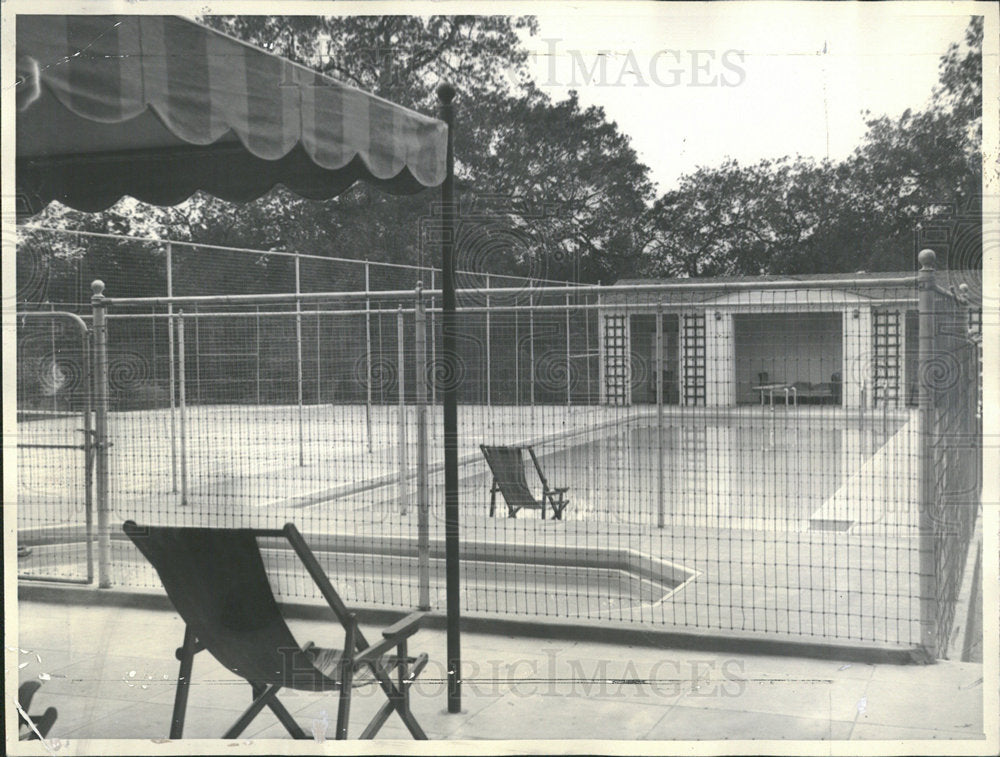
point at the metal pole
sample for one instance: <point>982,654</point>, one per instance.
<point>319,375</point>
<point>257,341</point>
<point>298,352</point>
<point>531,345</point>
<point>569,397</point>
<point>517,364</point>
<point>586,349</point>
<point>368,354</point>
<point>925,427</point>
<point>172,380</point>
<point>489,363</point>
<point>446,112</point>
<point>433,377</point>
<point>183,402</point>
<point>401,405</point>
<point>101,434</point>
<point>88,453</point>
<point>423,501</point>
<point>659,416</point>
<point>55,362</point>
<point>197,356</point>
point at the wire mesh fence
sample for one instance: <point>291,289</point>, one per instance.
<point>55,447</point>
<point>952,435</point>
<point>746,456</point>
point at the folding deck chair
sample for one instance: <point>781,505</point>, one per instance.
<point>507,466</point>
<point>217,582</point>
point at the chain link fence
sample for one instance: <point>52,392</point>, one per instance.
<point>777,457</point>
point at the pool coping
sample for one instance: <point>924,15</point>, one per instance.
<point>618,633</point>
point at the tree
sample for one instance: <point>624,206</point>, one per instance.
<point>512,143</point>
<point>866,212</point>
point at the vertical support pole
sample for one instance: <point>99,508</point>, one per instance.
<point>197,355</point>
<point>401,405</point>
<point>517,363</point>
<point>659,415</point>
<point>423,501</point>
<point>531,345</point>
<point>88,448</point>
<point>368,354</point>
<point>257,340</point>
<point>449,391</point>
<point>171,342</point>
<point>433,376</point>
<point>925,430</point>
<point>319,374</point>
<point>298,352</point>
<point>101,434</point>
<point>55,362</point>
<point>489,356</point>
<point>586,350</point>
<point>569,386</point>
<point>183,403</point>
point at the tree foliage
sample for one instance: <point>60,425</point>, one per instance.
<point>558,180</point>
<point>910,174</point>
<point>555,189</point>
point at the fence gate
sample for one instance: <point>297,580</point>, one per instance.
<point>55,448</point>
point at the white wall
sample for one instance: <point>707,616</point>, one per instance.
<point>858,347</point>
<point>719,353</point>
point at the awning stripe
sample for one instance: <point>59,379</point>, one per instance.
<point>204,85</point>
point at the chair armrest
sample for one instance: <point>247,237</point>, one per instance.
<point>560,489</point>
<point>405,626</point>
<point>394,634</point>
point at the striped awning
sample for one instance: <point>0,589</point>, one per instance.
<point>158,107</point>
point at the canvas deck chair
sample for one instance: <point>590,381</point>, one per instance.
<point>507,466</point>
<point>217,582</point>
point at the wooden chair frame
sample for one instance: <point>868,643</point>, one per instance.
<point>517,495</point>
<point>358,653</point>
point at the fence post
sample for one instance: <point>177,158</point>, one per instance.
<point>925,457</point>
<point>569,385</point>
<point>433,376</point>
<point>55,358</point>
<point>298,353</point>
<point>368,355</point>
<point>659,415</point>
<point>531,345</point>
<point>319,362</point>
<point>257,345</point>
<point>489,356</point>
<point>101,433</point>
<point>173,379</point>
<point>423,503</point>
<point>183,402</point>
<point>87,350</point>
<point>401,405</point>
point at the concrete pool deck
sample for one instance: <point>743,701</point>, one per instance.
<point>110,672</point>
<point>803,584</point>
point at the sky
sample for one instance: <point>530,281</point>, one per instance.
<point>693,84</point>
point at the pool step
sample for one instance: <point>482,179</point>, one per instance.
<point>879,494</point>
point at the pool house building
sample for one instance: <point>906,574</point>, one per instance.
<point>744,340</point>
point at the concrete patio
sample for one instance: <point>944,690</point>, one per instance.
<point>110,672</point>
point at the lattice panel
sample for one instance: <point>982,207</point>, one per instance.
<point>887,363</point>
<point>616,359</point>
<point>693,356</point>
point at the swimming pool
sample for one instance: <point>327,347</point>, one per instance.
<point>755,473</point>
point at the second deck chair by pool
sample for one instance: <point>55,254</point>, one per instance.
<point>507,466</point>
<point>216,579</point>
